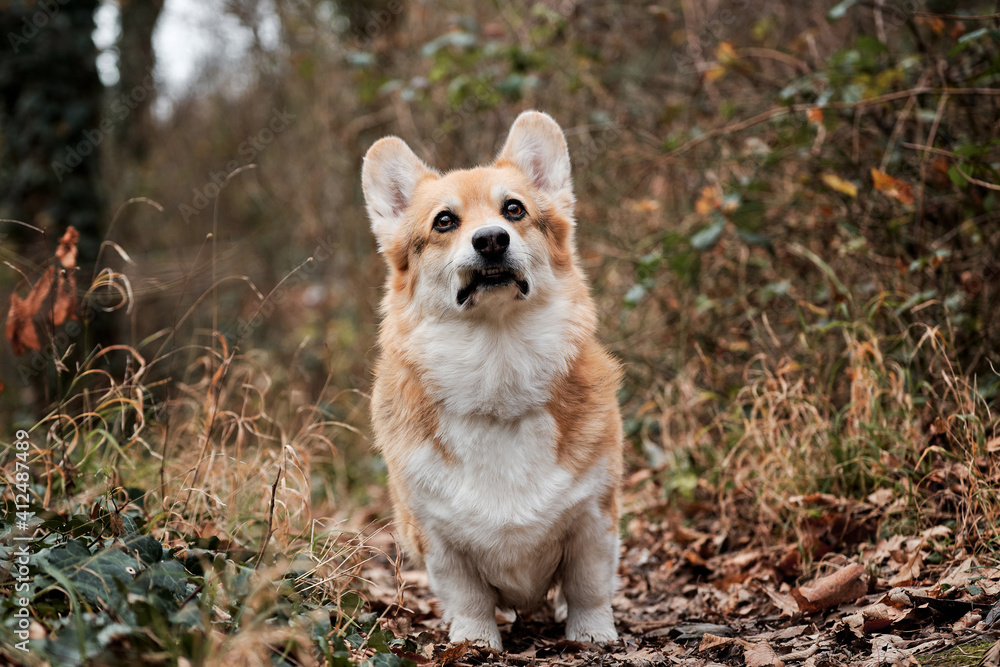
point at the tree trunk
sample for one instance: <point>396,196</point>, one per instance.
<point>136,61</point>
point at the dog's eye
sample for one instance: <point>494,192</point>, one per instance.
<point>445,221</point>
<point>513,209</point>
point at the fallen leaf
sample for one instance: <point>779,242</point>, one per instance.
<point>708,201</point>
<point>845,585</point>
<point>452,653</point>
<point>644,205</point>
<point>897,189</point>
<point>815,115</point>
<point>786,604</point>
<point>835,182</point>
<point>761,655</point>
<point>710,641</point>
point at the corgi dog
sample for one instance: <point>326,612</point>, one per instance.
<point>494,406</point>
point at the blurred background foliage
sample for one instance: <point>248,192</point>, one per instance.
<point>788,212</point>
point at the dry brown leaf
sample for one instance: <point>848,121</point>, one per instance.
<point>22,328</point>
<point>879,616</point>
<point>452,653</point>
<point>21,331</point>
<point>910,571</point>
<point>64,305</point>
<point>761,655</point>
<point>710,641</point>
<point>845,585</point>
<point>786,604</point>
<point>897,189</point>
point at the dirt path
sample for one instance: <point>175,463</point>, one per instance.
<point>684,601</point>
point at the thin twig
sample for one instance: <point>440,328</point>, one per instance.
<point>270,519</point>
<point>985,184</point>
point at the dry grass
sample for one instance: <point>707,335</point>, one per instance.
<point>823,343</point>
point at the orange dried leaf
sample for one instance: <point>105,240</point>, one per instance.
<point>24,314</point>
<point>815,115</point>
<point>707,202</point>
<point>64,306</point>
<point>842,586</point>
<point>21,331</point>
<point>894,187</point>
<point>726,54</point>
<point>66,252</point>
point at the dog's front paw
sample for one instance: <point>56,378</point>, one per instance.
<point>591,625</point>
<point>476,631</point>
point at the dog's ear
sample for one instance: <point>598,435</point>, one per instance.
<point>537,147</point>
<point>389,176</point>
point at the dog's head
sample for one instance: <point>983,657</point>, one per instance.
<point>476,240</point>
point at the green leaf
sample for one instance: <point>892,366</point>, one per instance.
<point>378,641</point>
<point>707,237</point>
<point>750,215</point>
<point>956,177</point>
<point>686,265</point>
<point>145,547</point>
<point>385,660</point>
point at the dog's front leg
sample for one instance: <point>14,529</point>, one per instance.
<point>588,580</point>
<point>469,601</point>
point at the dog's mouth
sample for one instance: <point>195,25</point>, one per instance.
<point>488,279</point>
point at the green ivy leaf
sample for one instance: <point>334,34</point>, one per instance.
<point>707,237</point>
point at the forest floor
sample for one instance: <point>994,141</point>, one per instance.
<point>686,598</point>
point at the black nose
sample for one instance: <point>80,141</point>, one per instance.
<point>491,242</point>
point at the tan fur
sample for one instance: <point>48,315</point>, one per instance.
<point>573,411</point>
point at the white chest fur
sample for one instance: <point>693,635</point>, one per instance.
<point>502,498</point>
<point>503,368</point>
